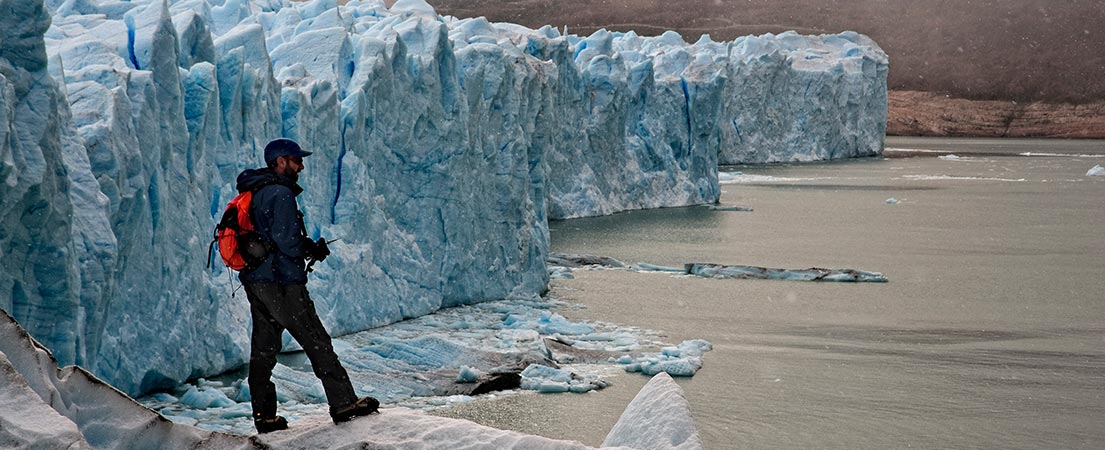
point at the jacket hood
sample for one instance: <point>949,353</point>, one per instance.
<point>254,179</point>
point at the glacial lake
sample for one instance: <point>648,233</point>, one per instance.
<point>989,334</point>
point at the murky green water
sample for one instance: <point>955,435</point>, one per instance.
<point>990,333</point>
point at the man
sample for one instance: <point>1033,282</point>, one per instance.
<point>277,291</point>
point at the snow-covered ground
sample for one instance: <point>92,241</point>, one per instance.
<point>42,406</point>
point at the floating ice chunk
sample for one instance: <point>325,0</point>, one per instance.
<point>694,347</point>
<point>748,178</point>
<point>574,260</point>
<point>948,157</point>
<point>646,267</point>
<point>676,367</point>
<point>1096,171</point>
<point>560,273</point>
<point>729,208</point>
<point>892,201</point>
<point>763,273</point>
<point>683,360</point>
<point>959,178</point>
<point>1061,155</point>
<point>728,177</point>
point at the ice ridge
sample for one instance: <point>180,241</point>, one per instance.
<point>443,146</point>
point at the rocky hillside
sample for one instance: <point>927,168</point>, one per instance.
<point>915,113</point>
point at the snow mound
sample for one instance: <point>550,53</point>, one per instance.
<point>658,414</point>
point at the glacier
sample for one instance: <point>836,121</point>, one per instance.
<point>443,147</point>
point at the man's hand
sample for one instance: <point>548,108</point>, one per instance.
<point>317,250</point>
<point>320,250</point>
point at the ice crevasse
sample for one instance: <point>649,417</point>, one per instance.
<point>442,148</point>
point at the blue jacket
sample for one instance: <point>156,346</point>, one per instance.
<point>277,219</point>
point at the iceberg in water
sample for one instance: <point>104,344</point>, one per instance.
<point>442,148</point>
<point>764,273</point>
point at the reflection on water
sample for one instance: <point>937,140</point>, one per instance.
<point>988,335</point>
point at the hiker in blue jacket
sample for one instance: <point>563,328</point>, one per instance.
<point>277,291</point>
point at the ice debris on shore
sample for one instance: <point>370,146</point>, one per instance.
<point>546,379</point>
<point>444,358</point>
<point>1096,171</point>
<point>683,360</point>
<point>44,406</point>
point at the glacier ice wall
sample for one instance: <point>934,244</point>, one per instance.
<point>443,146</point>
<point>652,117</point>
<point>803,98</point>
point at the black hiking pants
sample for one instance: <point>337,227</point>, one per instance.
<point>276,307</point>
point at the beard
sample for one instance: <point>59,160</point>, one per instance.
<point>290,174</point>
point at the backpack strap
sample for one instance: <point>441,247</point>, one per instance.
<point>211,251</point>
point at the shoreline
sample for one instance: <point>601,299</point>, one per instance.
<point>930,114</point>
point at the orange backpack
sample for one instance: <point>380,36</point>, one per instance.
<point>239,245</point>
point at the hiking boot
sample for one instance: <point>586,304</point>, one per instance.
<point>270,424</point>
<point>362,407</point>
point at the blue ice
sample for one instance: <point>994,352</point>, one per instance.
<point>429,362</point>
<point>442,148</point>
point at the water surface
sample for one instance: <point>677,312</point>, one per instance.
<point>989,334</point>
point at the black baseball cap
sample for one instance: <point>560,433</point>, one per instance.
<point>283,147</point>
